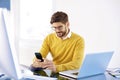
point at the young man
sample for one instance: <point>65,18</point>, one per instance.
<point>66,47</point>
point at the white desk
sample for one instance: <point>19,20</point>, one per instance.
<point>105,76</point>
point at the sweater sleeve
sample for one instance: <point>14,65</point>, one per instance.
<point>77,59</point>
<point>45,47</point>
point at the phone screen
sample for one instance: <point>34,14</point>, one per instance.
<point>39,56</point>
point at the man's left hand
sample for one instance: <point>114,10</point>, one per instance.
<point>49,65</point>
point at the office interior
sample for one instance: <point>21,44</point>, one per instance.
<point>98,21</point>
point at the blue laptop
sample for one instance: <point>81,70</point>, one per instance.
<point>93,64</point>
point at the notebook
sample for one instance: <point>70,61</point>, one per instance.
<point>93,64</point>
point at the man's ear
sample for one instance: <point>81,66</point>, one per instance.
<point>67,24</point>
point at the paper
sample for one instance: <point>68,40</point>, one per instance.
<point>38,77</point>
<point>115,72</point>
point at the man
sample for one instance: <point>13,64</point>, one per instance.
<point>66,47</point>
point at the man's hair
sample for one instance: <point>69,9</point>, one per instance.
<point>59,16</point>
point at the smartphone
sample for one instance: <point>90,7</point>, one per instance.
<point>39,56</point>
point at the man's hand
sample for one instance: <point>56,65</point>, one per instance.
<point>49,65</point>
<point>37,63</point>
<point>46,64</point>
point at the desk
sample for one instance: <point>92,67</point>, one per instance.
<point>104,76</point>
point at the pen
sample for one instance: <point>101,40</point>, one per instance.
<point>116,76</point>
<point>111,74</point>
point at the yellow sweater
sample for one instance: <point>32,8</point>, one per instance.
<point>67,54</point>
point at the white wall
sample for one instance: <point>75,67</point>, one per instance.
<point>27,48</point>
<point>34,26</point>
<point>98,21</point>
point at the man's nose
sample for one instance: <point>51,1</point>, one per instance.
<point>57,30</point>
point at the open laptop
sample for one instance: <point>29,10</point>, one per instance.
<point>10,68</point>
<point>93,64</point>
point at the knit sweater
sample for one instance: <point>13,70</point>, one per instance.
<point>67,54</point>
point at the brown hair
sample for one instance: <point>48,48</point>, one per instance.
<point>59,16</point>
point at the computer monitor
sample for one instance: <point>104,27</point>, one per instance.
<point>8,56</point>
<point>9,64</point>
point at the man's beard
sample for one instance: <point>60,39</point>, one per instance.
<point>61,34</point>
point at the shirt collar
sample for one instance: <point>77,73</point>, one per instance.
<point>68,36</point>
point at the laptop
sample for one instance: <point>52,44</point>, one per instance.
<point>93,64</point>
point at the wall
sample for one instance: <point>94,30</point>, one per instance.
<point>34,25</point>
<point>27,48</point>
<point>97,21</point>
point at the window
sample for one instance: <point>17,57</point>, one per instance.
<point>35,18</point>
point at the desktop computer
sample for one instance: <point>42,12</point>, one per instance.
<point>9,64</point>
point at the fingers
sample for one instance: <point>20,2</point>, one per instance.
<point>50,65</point>
<point>46,64</point>
<point>37,63</point>
<point>37,60</point>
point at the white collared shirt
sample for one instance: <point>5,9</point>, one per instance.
<point>68,35</point>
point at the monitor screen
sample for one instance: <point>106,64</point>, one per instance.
<point>8,56</point>
<point>9,64</point>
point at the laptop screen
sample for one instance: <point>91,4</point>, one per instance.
<point>95,63</point>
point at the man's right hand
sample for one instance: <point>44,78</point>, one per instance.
<point>37,63</point>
